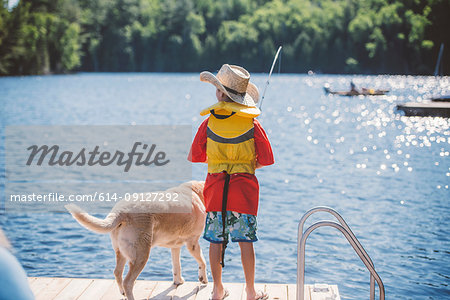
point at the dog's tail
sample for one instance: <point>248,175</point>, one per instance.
<point>92,223</point>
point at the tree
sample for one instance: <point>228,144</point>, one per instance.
<point>333,36</point>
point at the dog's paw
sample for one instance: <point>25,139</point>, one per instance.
<point>203,279</point>
<point>178,281</point>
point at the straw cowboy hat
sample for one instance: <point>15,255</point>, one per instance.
<point>234,81</point>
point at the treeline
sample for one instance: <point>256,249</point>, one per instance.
<point>329,36</point>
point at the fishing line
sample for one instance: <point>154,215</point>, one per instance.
<point>270,74</point>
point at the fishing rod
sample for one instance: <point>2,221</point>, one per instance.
<point>270,74</point>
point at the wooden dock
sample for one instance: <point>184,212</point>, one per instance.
<point>47,288</point>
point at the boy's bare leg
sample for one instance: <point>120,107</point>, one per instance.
<point>215,255</point>
<point>248,264</point>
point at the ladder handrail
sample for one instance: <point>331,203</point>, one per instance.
<point>351,238</point>
<point>338,217</point>
<point>345,225</point>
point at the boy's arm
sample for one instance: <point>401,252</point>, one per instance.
<point>197,152</point>
<point>263,149</point>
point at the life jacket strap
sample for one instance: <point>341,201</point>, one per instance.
<point>224,216</point>
<point>221,117</point>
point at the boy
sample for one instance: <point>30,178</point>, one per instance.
<point>234,144</point>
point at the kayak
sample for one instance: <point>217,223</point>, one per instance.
<point>363,92</point>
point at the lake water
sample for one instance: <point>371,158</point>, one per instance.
<point>388,176</point>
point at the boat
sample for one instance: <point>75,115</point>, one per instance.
<point>426,109</point>
<point>363,92</point>
<point>444,98</point>
<point>437,106</point>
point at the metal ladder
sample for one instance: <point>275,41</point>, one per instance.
<point>351,238</point>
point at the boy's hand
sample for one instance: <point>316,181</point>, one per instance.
<point>258,165</point>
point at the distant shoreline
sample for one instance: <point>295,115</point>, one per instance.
<point>327,36</point>
<point>195,72</point>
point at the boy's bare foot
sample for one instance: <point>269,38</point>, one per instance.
<point>219,293</point>
<point>259,295</point>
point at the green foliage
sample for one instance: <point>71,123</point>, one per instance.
<point>38,37</point>
<point>70,47</point>
<point>5,57</point>
<point>333,36</point>
<point>351,65</point>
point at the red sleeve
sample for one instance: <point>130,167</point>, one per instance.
<point>198,148</point>
<point>263,149</point>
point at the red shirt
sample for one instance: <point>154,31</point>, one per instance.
<point>243,191</point>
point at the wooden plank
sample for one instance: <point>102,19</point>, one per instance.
<point>186,291</point>
<point>164,290</point>
<point>143,289</point>
<point>277,291</point>
<point>40,284</point>
<point>308,290</point>
<point>46,288</point>
<point>96,289</point>
<point>335,289</point>
<point>112,293</point>
<point>292,292</point>
<point>74,289</point>
<point>204,292</point>
<point>235,290</point>
<point>53,288</point>
<point>324,291</point>
<point>38,281</point>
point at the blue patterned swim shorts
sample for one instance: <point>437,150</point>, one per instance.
<point>241,227</point>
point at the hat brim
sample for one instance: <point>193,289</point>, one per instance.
<point>250,98</point>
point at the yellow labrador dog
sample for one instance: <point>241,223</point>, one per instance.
<point>135,229</point>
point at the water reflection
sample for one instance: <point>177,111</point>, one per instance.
<point>387,174</point>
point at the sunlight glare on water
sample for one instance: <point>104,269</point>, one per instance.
<point>387,174</point>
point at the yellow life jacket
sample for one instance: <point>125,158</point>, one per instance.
<point>230,142</point>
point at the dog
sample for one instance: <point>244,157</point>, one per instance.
<point>135,229</point>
